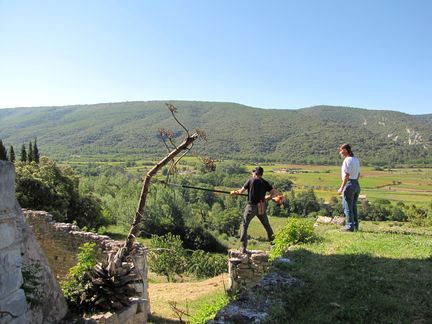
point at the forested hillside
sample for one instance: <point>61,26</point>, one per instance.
<point>236,131</point>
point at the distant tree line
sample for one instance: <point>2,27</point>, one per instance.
<point>32,155</point>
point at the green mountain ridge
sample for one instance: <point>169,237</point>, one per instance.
<point>302,135</point>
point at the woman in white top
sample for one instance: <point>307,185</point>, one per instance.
<point>350,187</point>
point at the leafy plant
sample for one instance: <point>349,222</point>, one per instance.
<point>75,287</point>
<point>32,284</point>
<point>296,231</point>
<point>167,257</point>
<point>203,264</point>
<point>47,186</point>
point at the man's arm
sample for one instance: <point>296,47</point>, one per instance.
<point>272,193</point>
<point>238,191</point>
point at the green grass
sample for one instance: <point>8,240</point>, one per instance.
<point>205,308</point>
<point>382,274</point>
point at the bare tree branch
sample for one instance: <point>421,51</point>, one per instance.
<point>185,146</point>
<point>173,110</point>
<point>178,311</point>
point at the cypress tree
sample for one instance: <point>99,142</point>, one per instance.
<point>35,152</point>
<point>3,152</point>
<point>11,154</point>
<point>23,157</point>
<point>30,152</point>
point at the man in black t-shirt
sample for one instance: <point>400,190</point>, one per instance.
<point>257,188</point>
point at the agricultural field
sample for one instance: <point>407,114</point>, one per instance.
<point>408,185</point>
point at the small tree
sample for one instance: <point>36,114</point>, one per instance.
<point>35,151</point>
<point>11,154</point>
<point>30,152</point>
<point>3,152</point>
<point>23,156</point>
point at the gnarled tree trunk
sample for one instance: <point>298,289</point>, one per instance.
<point>145,187</point>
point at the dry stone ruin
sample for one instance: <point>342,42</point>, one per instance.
<point>31,263</point>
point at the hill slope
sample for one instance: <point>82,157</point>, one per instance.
<point>303,135</point>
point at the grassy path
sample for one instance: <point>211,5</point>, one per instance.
<point>188,296</point>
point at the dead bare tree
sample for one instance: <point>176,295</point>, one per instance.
<point>172,157</point>
<point>112,277</point>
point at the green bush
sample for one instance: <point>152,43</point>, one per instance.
<point>203,264</point>
<point>296,231</point>
<point>52,188</point>
<point>167,257</point>
<point>78,280</point>
<point>170,259</point>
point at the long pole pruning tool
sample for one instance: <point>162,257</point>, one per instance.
<point>198,188</point>
<point>277,199</point>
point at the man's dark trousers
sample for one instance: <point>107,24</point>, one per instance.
<point>250,212</point>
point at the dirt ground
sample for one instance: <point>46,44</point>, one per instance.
<point>180,292</point>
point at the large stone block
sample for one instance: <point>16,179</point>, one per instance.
<point>8,233</point>
<point>7,186</point>
<point>10,270</point>
<point>14,303</point>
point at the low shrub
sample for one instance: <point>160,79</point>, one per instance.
<point>78,280</point>
<point>203,264</point>
<point>168,257</point>
<point>296,231</point>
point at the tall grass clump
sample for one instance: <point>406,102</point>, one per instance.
<point>296,231</point>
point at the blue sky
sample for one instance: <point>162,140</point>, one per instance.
<point>267,54</point>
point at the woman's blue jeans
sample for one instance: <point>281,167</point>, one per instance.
<point>349,201</point>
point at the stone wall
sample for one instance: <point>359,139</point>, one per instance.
<point>20,254</point>
<point>61,242</point>
<point>246,269</point>
<point>256,286</point>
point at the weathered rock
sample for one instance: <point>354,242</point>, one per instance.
<point>253,305</point>
<point>338,220</point>
<point>323,220</point>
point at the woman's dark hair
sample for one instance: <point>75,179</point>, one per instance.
<point>348,148</point>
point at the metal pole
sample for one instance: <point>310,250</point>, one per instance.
<point>199,188</point>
